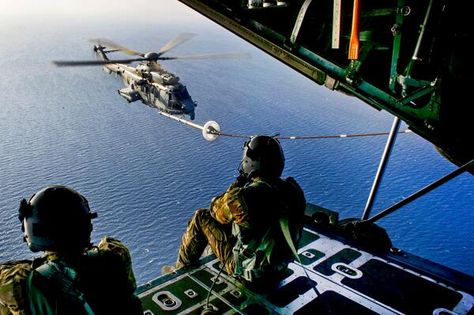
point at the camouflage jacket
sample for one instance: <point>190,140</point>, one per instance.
<point>256,207</point>
<point>105,277</point>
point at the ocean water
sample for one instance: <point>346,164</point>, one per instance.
<point>145,174</point>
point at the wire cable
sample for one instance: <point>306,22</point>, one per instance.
<point>355,135</point>
<point>206,307</point>
<point>211,130</point>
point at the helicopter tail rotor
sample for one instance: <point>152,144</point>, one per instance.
<point>116,47</point>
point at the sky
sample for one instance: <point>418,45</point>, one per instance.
<point>167,9</point>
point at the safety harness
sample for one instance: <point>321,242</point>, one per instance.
<point>55,279</point>
<point>252,260</point>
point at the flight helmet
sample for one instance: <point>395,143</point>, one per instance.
<point>262,156</point>
<point>56,218</point>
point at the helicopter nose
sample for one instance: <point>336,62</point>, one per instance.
<point>188,108</point>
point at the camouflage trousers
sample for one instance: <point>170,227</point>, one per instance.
<point>203,230</point>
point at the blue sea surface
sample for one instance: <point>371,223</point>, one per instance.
<point>146,174</point>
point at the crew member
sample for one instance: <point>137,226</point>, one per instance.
<point>245,225</point>
<point>73,276</point>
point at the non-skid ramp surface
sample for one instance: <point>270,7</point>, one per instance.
<point>332,278</point>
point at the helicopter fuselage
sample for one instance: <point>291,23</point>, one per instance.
<point>151,84</point>
<point>148,81</point>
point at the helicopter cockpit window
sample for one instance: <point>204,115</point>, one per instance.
<point>182,94</point>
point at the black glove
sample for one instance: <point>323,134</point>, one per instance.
<point>240,181</point>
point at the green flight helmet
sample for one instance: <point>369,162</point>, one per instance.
<point>56,218</point>
<point>262,156</point>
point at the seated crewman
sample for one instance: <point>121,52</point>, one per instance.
<point>243,226</point>
<point>73,276</point>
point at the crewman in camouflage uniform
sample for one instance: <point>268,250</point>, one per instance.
<point>73,276</point>
<point>243,226</point>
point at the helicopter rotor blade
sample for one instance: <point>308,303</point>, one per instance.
<point>110,44</point>
<point>213,56</point>
<point>181,38</point>
<point>65,63</point>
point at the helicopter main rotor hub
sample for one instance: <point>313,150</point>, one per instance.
<point>152,56</point>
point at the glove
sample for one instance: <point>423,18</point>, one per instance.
<point>240,181</point>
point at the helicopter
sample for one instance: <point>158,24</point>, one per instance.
<point>148,82</point>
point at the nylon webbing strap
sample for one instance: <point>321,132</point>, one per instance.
<point>285,228</point>
<point>65,278</point>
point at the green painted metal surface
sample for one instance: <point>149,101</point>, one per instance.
<point>412,63</point>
